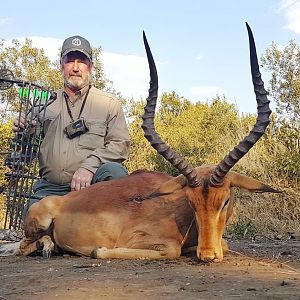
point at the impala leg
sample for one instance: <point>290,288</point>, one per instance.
<point>27,246</point>
<point>47,245</point>
<point>224,246</point>
<point>170,250</point>
<point>44,243</point>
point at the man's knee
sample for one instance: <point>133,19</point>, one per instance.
<point>109,171</point>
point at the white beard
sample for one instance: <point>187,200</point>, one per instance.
<point>77,83</point>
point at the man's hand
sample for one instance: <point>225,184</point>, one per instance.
<point>20,123</point>
<point>81,179</point>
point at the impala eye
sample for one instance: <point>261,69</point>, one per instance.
<point>226,203</point>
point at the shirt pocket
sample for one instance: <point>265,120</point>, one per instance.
<point>46,124</point>
<point>94,138</point>
<point>46,119</point>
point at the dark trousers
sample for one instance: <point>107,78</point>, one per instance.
<point>43,188</point>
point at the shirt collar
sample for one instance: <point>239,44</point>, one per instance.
<point>78,94</point>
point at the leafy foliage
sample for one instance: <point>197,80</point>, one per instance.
<point>5,137</point>
<point>31,64</point>
<point>284,66</point>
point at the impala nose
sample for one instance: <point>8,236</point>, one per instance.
<point>209,255</point>
<point>207,259</point>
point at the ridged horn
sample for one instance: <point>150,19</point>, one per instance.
<point>262,120</point>
<point>149,130</point>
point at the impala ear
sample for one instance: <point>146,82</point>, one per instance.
<point>250,184</point>
<point>171,186</point>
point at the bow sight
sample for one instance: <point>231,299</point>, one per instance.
<point>20,158</point>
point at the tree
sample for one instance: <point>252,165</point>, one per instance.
<point>98,77</point>
<point>31,64</point>
<point>173,104</point>
<point>284,66</point>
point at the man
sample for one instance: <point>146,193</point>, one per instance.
<point>85,133</point>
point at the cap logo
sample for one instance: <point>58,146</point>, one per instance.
<point>76,42</point>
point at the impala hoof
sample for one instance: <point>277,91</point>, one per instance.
<point>46,254</point>
<point>99,253</point>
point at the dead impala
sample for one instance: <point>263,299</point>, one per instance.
<point>150,214</point>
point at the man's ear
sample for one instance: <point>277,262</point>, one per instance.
<point>61,61</point>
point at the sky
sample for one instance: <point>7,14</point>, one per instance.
<point>200,47</point>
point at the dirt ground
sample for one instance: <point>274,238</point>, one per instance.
<point>259,269</point>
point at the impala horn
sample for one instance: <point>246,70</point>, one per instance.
<point>149,130</point>
<point>262,121</point>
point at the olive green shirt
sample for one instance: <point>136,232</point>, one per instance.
<point>107,138</point>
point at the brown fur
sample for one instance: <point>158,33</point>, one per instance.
<point>144,215</point>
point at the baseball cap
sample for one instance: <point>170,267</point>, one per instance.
<point>76,43</point>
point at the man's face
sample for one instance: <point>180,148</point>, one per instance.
<point>76,70</point>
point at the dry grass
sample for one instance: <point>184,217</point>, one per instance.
<point>266,213</point>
